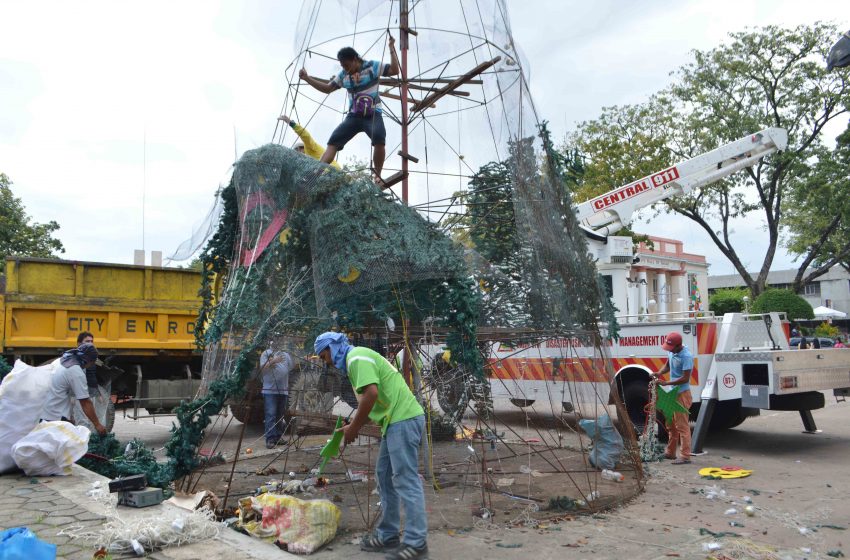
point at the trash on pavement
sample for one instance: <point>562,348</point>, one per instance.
<point>20,542</point>
<point>715,473</point>
<point>607,444</point>
<point>51,448</point>
<point>301,526</point>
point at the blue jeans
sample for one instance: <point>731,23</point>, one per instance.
<point>398,482</point>
<point>275,408</point>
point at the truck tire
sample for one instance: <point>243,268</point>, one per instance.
<point>727,415</point>
<point>522,403</point>
<point>306,394</point>
<point>636,397</point>
<point>110,416</point>
<point>452,387</point>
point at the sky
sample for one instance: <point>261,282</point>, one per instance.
<point>120,120</point>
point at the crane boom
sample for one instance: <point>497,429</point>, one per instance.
<point>605,214</point>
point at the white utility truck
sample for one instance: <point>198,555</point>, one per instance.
<point>742,364</point>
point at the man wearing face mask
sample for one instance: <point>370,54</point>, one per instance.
<point>386,399</point>
<point>69,381</point>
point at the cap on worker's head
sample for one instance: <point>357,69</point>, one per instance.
<point>672,341</point>
<point>299,146</point>
<point>88,351</point>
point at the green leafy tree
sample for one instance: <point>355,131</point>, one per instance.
<point>728,300</point>
<point>794,306</point>
<point>821,238</point>
<point>18,234</point>
<point>769,76</point>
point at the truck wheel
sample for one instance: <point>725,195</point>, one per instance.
<point>636,397</point>
<point>452,387</point>
<point>522,403</point>
<point>727,415</point>
<point>305,394</point>
<point>110,416</point>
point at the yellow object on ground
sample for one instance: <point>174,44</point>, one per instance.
<point>714,472</point>
<point>302,525</point>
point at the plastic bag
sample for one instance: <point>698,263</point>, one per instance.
<point>101,406</point>
<point>51,448</point>
<point>607,442</point>
<point>21,544</point>
<point>22,395</point>
<point>302,525</point>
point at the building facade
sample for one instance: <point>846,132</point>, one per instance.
<point>662,282</point>
<point>830,290</point>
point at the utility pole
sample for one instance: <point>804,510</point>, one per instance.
<point>404,31</point>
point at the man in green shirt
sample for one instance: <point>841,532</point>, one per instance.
<point>385,399</point>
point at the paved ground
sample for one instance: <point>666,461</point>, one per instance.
<point>798,489</point>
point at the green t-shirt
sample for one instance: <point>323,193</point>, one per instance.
<point>395,400</point>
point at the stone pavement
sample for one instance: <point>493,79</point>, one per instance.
<point>46,505</point>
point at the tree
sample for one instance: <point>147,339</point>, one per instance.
<point>20,236</point>
<point>785,301</point>
<point>728,300</point>
<point>765,77</point>
<point>821,238</point>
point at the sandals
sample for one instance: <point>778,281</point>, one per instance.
<point>681,462</point>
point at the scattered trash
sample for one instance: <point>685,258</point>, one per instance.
<point>504,482</point>
<point>563,503</point>
<point>836,527</point>
<point>747,499</point>
<point>754,492</point>
<point>718,535</point>
<point>612,475</point>
<point>607,443</point>
<point>519,545</point>
<point>805,550</point>
<point>804,530</point>
<point>750,511</point>
<point>835,553</point>
<point>137,547</point>
<point>593,496</point>
<point>300,526</point>
<point>710,546</point>
<point>357,476</point>
<point>20,542</point>
<point>713,492</point>
<point>735,524</point>
<point>525,469</point>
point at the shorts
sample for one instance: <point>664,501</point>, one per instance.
<point>373,127</point>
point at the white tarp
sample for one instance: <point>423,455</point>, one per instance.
<point>822,312</point>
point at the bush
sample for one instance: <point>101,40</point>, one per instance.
<point>827,330</point>
<point>727,300</point>
<point>794,306</point>
<point>4,368</point>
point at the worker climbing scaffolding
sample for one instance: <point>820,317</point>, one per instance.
<point>360,79</point>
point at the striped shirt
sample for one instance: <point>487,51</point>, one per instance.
<point>365,81</point>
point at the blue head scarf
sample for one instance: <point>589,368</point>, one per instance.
<point>84,353</point>
<point>338,343</point>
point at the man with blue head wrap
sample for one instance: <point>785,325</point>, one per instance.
<point>69,381</point>
<point>384,397</point>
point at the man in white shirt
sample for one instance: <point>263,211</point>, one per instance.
<point>275,366</point>
<point>69,381</point>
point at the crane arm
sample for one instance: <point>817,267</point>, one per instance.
<point>605,214</point>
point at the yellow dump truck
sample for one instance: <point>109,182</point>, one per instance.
<point>142,319</point>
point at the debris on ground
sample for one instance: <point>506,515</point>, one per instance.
<point>299,526</point>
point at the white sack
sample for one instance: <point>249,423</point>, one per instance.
<point>22,396</point>
<point>51,448</point>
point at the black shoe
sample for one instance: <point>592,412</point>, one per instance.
<point>407,552</point>
<point>270,444</point>
<point>371,543</point>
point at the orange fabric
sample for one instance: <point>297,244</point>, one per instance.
<point>679,429</point>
